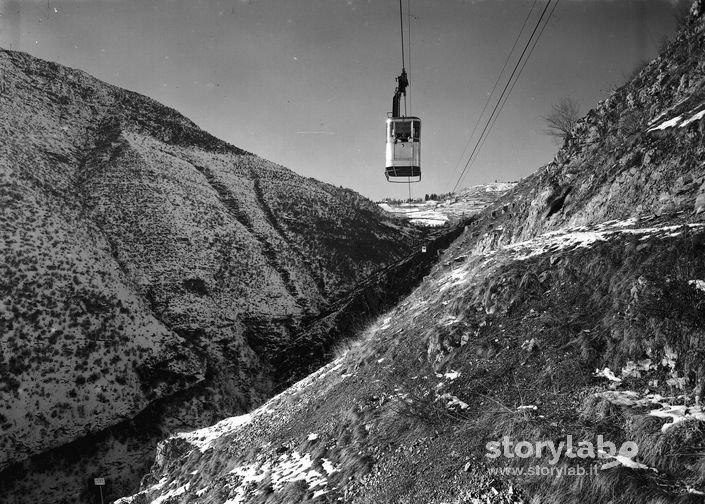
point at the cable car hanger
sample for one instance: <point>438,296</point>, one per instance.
<point>402,83</point>
<point>402,80</point>
<point>403,150</point>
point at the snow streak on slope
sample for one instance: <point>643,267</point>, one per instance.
<point>679,121</point>
<point>585,236</point>
<point>564,240</point>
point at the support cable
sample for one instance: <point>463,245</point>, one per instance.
<point>517,78</point>
<point>504,92</point>
<point>494,88</point>
<point>401,25</point>
<point>408,14</point>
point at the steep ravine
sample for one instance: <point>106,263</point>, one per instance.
<point>70,469</point>
<point>135,286</point>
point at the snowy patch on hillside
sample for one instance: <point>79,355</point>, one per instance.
<point>698,284</point>
<point>419,214</point>
<point>584,236</point>
<point>128,500</point>
<point>678,413</point>
<point>203,438</point>
<point>283,469</point>
<point>667,124</point>
<point>679,121</point>
<point>560,241</point>
<point>433,213</point>
<point>288,468</point>
<point>426,222</point>
<point>171,493</point>
<point>498,187</point>
<point>667,410</point>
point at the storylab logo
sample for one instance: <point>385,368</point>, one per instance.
<point>552,453</point>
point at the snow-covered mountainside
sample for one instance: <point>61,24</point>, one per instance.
<point>151,275</point>
<point>567,315</point>
<point>452,209</point>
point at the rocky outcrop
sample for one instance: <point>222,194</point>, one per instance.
<point>638,153</point>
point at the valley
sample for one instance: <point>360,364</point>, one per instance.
<point>191,322</point>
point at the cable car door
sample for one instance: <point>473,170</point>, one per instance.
<point>403,143</point>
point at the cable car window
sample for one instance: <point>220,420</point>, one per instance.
<point>417,130</point>
<point>402,130</point>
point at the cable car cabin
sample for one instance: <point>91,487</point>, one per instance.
<point>403,149</point>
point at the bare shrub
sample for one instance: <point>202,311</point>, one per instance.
<point>562,119</point>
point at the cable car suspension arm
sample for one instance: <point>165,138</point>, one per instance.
<point>402,80</point>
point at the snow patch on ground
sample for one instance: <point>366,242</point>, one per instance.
<point>296,467</point>
<point>621,460</point>
<point>679,121</point>
<point>248,475</point>
<point>499,186</point>
<point>286,469</point>
<point>607,373</point>
<point>203,438</point>
<point>452,375</point>
<point>678,414</point>
<point>329,467</point>
<point>171,493</point>
<point>667,124</point>
<point>693,118</point>
<point>156,486</point>
<point>698,284</point>
<point>453,402</point>
<point>461,270</point>
<point>429,222</point>
<point>583,236</point>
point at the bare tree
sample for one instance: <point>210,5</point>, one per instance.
<point>562,119</point>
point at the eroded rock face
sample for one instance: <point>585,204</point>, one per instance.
<point>143,263</point>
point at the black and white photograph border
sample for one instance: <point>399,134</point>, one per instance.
<point>231,274</point>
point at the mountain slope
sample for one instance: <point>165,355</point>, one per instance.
<point>406,414</point>
<point>571,312</point>
<point>142,259</point>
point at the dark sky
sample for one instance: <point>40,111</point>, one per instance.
<point>308,83</point>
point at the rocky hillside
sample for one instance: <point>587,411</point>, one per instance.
<point>567,316</point>
<point>143,263</point>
